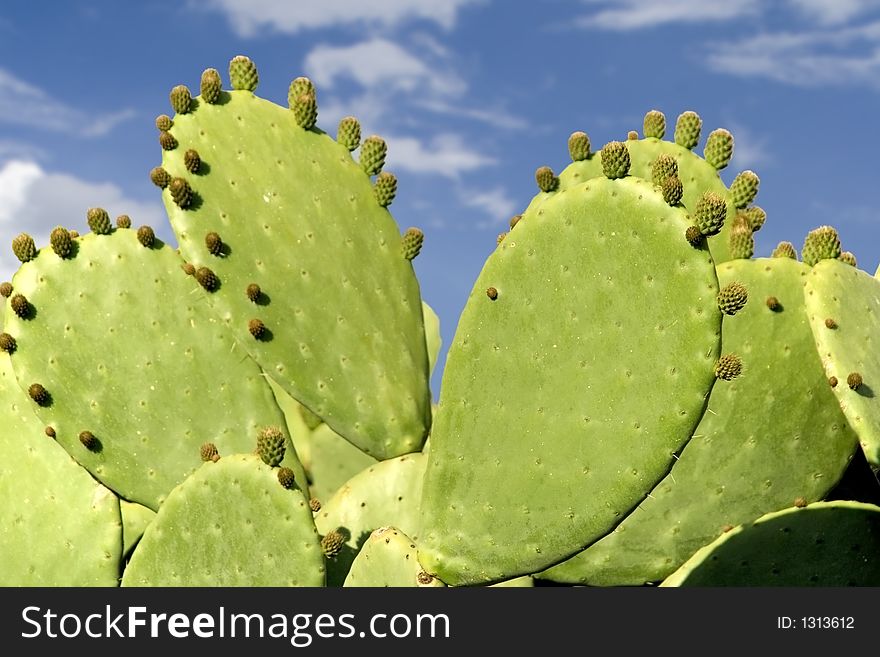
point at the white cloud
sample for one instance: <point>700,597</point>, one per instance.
<point>444,155</point>
<point>750,151</point>
<point>378,63</point>
<point>249,17</point>
<point>833,12</point>
<point>638,14</point>
<point>495,202</point>
<point>35,201</point>
<point>24,104</point>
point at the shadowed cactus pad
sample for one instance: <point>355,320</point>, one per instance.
<point>301,221</point>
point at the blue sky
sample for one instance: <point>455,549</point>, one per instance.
<point>471,95</point>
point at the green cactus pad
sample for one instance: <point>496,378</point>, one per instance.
<point>734,469</point>
<point>58,526</point>
<point>341,304</point>
<point>384,494</point>
<point>388,558</point>
<point>230,524</point>
<point>127,349</point>
<point>135,519</point>
<point>851,299</point>
<point>822,544</point>
<point>533,455</point>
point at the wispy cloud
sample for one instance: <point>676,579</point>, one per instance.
<point>496,202</point>
<point>832,12</point>
<point>33,200</point>
<point>444,155</point>
<point>22,103</point>
<point>248,18</point>
<point>639,14</point>
<point>750,150</point>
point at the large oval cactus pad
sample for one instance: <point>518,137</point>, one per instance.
<point>849,343</point>
<point>570,384</point>
<point>129,351</point>
<point>231,523</point>
<point>340,304</point>
<point>822,544</point>
<point>58,526</point>
<point>770,437</point>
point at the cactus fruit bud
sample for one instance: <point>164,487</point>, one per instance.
<point>349,132</point>
<point>373,152</point>
<point>514,220</point>
<point>88,440</point>
<point>50,431</point>
<point>301,86</point>
<point>654,124</point>
<point>21,306</point>
<point>315,504</point>
<point>5,289</point>
<point>164,123</point>
<point>160,177</point>
<point>192,161</point>
<point>848,257</point>
<point>181,192</point>
<point>210,85</point>
<point>693,236</point>
<point>546,179</point>
<point>243,73</point>
<point>632,135</point>
<point>412,242</point>
<point>424,579</point>
<point>830,323</point>
<point>385,188</point>
<point>7,343</point>
<point>492,293</point>
<point>167,141</point>
<point>253,292</point>
<point>710,212</point>
<point>74,234</point>
<point>207,279</point>
<point>305,111</point>
<point>146,236</point>
<point>832,381</point>
<point>662,168</point>
<point>672,190</point>
<point>188,269</point>
<point>719,148</point>
<point>286,478</point>
<point>39,394</point>
<point>615,160</point>
<point>800,502</point>
<point>744,188</point>
<point>773,303</point>
<point>732,298</point>
<point>99,221</point>
<point>123,221</point>
<point>784,250</point>
<point>60,241</point>
<point>854,380</point>
<point>181,99</point>
<point>270,446</point>
<point>741,242</point>
<point>214,243</point>
<point>24,248</point>
<point>257,328</point>
<point>579,146</point>
<point>756,217</point>
<point>820,244</point>
<point>728,367</point>
<point>332,542</point>
<point>687,129</point>
<point>208,452</point>
<point>500,238</point>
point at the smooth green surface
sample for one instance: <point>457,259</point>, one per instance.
<point>769,437</point>
<point>388,558</point>
<point>342,305</point>
<point>135,519</point>
<point>564,399</point>
<point>851,298</point>
<point>230,524</point>
<point>823,544</point>
<point>58,526</point>
<point>129,349</point>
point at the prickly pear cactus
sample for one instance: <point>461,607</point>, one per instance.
<point>231,523</point>
<point>821,544</point>
<point>388,558</point>
<point>772,436</point>
<point>300,257</point>
<point>581,363</point>
<point>58,526</point>
<point>123,360</point>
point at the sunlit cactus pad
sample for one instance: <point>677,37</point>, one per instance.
<point>230,524</point>
<point>129,354</point>
<point>388,558</point>
<point>286,208</point>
